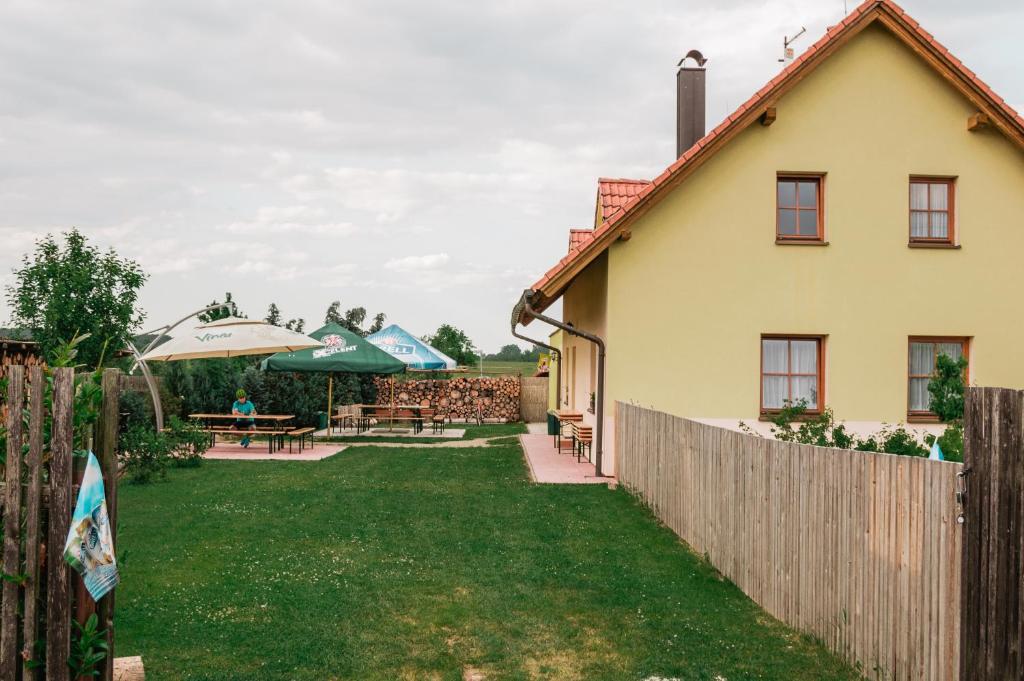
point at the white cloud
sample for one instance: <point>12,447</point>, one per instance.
<point>411,263</point>
<point>380,151</point>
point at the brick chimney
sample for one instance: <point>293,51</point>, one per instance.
<point>689,102</point>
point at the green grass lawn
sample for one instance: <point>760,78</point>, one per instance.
<point>498,368</point>
<point>384,563</point>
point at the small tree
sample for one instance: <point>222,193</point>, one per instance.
<point>69,289</point>
<point>229,309</point>
<point>273,315</point>
<point>454,343</point>
<point>352,319</point>
<point>947,388</point>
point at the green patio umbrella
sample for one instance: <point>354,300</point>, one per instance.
<point>342,351</point>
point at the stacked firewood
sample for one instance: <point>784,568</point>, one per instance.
<point>15,352</point>
<point>491,398</point>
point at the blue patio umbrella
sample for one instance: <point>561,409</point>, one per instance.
<point>416,354</point>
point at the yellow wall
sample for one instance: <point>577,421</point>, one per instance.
<point>555,341</point>
<point>701,279</point>
<point>584,305</point>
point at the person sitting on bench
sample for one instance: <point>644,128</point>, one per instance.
<point>244,411</point>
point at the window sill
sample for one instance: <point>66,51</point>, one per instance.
<point>923,418</point>
<point>800,242</point>
<point>768,417</point>
<point>926,244</point>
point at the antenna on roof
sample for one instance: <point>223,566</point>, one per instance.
<point>787,51</point>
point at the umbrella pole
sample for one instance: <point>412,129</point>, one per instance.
<point>391,426</point>
<point>330,400</point>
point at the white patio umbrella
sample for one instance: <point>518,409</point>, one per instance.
<point>230,337</point>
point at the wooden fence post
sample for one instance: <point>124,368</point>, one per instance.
<point>33,514</point>
<point>12,523</point>
<point>58,596</point>
<point>991,624</point>
<point>106,452</point>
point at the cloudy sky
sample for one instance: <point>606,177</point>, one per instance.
<point>424,159</point>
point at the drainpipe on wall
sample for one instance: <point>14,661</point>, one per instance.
<point>556,356</point>
<point>523,307</point>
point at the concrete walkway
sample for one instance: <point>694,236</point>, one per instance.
<point>257,451</point>
<point>548,466</point>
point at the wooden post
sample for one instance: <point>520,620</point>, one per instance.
<point>58,597</point>
<point>33,506</point>
<point>106,452</point>
<point>991,622</point>
<point>330,399</point>
<point>12,523</point>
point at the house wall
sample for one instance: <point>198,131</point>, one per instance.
<point>584,306</point>
<point>701,279</point>
<point>555,341</point>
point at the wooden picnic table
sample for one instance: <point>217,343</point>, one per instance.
<point>564,418</point>
<point>365,411</point>
<point>275,436</point>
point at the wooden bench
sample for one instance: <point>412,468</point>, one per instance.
<point>563,438</point>
<point>275,436</point>
<point>300,434</point>
<point>403,415</point>
<point>582,439</point>
<point>428,414</point>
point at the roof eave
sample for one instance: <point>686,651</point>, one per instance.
<point>559,278</point>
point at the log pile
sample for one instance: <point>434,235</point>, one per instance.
<point>18,352</point>
<point>491,398</point>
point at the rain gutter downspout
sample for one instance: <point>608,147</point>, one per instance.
<point>556,355</point>
<point>527,309</point>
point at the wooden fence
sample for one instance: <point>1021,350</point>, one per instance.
<point>533,398</point>
<point>861,550</point>
<point>993,548</point>
<point>42,595</point>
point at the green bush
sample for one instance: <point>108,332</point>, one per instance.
<point>144,454</point>
<point>187,442</point>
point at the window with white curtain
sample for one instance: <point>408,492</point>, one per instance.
<point>790,372</point>
<point>931,210</point>
<point>923,352</point>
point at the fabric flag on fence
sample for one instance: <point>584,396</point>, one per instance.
<point>936,453</point>
<point>90,546</point>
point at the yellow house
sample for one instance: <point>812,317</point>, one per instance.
<point>859,215</point>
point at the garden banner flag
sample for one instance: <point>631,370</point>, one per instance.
<point>90,547</point>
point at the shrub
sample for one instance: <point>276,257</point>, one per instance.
<point>187,442</point>
<point>946,388</point>
<point>144,454</point>
<point>892,440</point>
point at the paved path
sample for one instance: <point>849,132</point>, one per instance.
<point>257,451</point>
<point>547,465</point>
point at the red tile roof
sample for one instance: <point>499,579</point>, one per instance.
<point>865,14</point>
<point>578,237</point>
<point>614,193</point>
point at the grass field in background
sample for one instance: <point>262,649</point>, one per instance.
<point>415,563</point>
<point>500,368</point>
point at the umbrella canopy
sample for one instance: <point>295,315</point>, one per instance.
<point>416,354</point>
<point>342,351</point>
<point>230,337</point>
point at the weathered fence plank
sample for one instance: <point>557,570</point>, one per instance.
<point>12,523</point>
<point>58,582</point>
<point>106,451</point>
<point>992,622</point>
<point>859,549</point>
<point>33,510</point>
